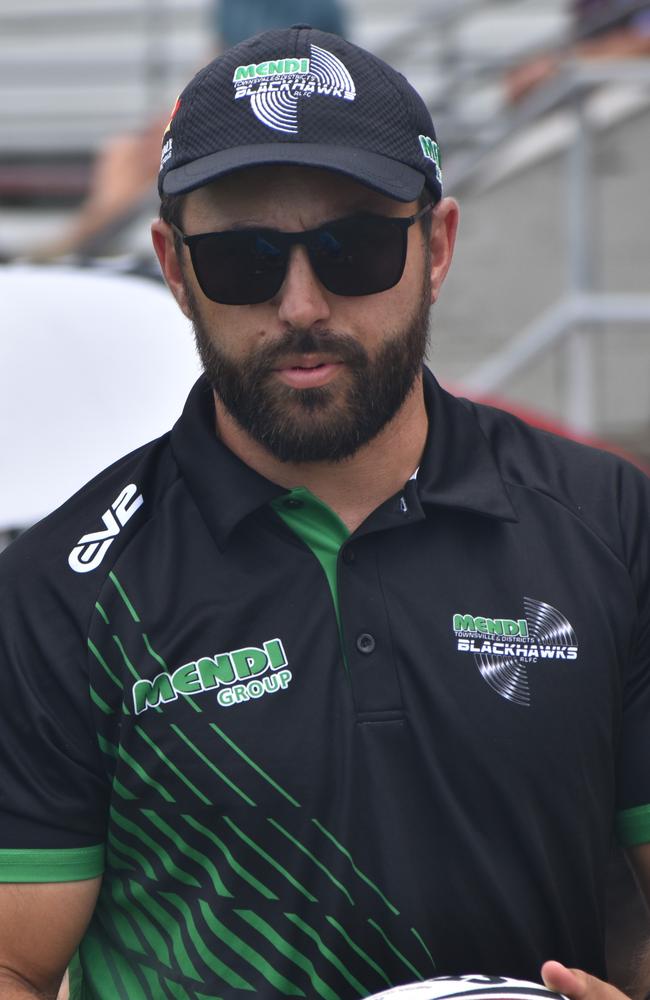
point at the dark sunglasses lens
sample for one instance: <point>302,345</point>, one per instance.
<point>239,268</point>
<point>359,256</point>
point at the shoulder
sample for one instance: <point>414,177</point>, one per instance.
<point>50,580</point>
<point>606,492</point>
<point>59,554</point>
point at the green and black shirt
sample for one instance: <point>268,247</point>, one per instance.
<point>315,764</point>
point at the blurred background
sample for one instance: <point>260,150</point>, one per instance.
<point>542,109</point>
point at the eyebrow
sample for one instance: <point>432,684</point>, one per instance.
<point>359,206</point>
<point>325,222</point>
<point>246,226</point>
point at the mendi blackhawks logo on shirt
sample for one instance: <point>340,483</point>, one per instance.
<point>505,648</point>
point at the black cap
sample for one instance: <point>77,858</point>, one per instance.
<point>305,97</point>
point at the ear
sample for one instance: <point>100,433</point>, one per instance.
<point>444,225</point>
<point>163,243</point>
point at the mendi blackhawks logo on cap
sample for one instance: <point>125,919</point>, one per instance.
<point>276,87</point>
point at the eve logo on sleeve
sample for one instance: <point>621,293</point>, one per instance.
<point>91,549</point>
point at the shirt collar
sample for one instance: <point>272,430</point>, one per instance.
<point>225,489</point>
<point>457,469</point>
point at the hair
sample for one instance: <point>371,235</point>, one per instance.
<point>426,221</point>
<point>171,208</point>
<point>171,212</point>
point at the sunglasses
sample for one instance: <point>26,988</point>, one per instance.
<point>359,255</point>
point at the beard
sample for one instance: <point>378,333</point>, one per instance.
<point>329,423</point>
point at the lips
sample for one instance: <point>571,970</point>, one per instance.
<point>305,360</point>
<point>308,372</point>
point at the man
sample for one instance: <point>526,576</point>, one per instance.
<point>342,683</point>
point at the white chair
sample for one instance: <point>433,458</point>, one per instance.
<point>92,365</point>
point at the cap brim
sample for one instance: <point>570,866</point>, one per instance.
<point>374,171</point>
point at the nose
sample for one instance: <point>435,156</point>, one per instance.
<point>302,300</point>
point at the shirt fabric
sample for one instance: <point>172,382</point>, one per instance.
<point>315,763</point>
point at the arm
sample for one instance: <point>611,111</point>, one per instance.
<point>639,858</point>
<point>40,928</point>
<point>621,43</point>
<point>578,985</point>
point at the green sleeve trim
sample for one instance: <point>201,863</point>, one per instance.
<point>51,866</point>
<point>633,826</point>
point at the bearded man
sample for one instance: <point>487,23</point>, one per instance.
<point>344,682</point>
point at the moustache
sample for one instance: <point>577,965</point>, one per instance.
<point>297,341</point>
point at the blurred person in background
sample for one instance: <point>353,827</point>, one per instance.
<point>602,29</point>
<point>125,169</point>
<point>235,20</point>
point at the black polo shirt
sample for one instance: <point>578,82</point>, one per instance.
<point>315,764</point>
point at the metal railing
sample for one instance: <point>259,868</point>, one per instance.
<point>575,320</point>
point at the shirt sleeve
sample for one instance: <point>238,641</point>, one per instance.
<point>633,818</point>
<point>53,788</point>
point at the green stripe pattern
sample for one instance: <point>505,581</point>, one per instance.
<point>203,904</point>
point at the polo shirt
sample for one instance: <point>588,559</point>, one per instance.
<point>311,763</point>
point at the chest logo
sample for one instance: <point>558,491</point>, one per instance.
<point>504,648</point>
<point>275,88</point>
<point>240,676</point>
<point>91,548</point>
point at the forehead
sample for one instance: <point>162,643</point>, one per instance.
<point>275,193</point>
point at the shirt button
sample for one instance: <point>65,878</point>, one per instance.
<point>292,503</point>
<point>349,556</point>
<point>366,643</point>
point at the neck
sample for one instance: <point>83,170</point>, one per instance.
<point>353,488</point>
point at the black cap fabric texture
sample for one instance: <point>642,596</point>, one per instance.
<point>305,97</point>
